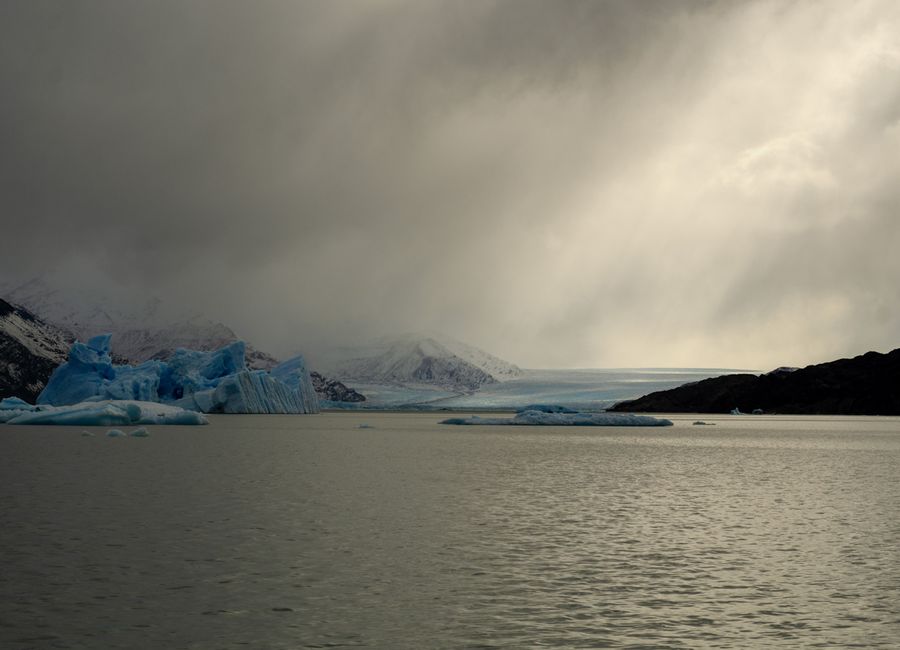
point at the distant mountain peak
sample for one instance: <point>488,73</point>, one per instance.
<point>413,359</point>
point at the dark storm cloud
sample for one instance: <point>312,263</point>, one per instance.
<point>555,181</point>
<point>234,128</point>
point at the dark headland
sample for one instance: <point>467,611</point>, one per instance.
<point>865,385</point>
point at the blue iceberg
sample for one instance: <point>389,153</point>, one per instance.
<point>210,382</point>
<point>295,374</point>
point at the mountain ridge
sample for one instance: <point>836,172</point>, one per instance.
<point>414,359</point>
<point>30,349</point>
<point>868,384</point>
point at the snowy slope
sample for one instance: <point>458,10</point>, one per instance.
<point>142,329</point>
<point>420,360</point>
<point>73,310</point>
<point>494,366</point>
<point>29,351</point>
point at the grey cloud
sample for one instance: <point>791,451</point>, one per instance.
<point>531,176</point>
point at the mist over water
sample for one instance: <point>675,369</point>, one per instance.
<point>292,532</point>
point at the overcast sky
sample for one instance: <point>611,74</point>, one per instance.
<point>564,184</point>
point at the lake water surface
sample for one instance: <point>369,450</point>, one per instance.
<point>310,532</point>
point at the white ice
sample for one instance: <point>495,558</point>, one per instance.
<point>541,418</point>
<point>109,413</point>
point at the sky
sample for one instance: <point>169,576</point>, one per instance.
<point>563,184</point>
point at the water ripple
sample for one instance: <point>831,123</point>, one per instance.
<point>287,532</point>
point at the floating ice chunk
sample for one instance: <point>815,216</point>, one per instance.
<point>140,433</point>
<point>15,404</point>
<point>366,426</point>
<point>114,433</point>
<point>12,407</point>
<point>736,411</point>
<point>539,418</point>
<point>6,416</point>
<point>86,414</point>
<point>87,434</point>
<point>110,413</point>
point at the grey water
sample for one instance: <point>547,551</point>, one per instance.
<point>311,532</point>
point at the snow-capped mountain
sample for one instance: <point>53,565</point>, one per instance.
<point>141,330</point>
<point>29,351</point>
<point>417,359</point>
<point>494,366</point>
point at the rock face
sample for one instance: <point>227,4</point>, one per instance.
<point>211,382</point>
<point>865,385</point>
<point>333,390</point>
<point>29,351</point>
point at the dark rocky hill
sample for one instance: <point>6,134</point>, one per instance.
<point>333,390</point>
<point>865,385</point>
<point>29,351</point>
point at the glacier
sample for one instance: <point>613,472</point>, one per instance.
<point>546,418</point>
<point>210,382</point>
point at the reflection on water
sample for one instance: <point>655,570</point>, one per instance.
<point>291,532</point>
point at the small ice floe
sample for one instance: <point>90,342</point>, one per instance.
<point>140,433</point>
<point>115,433</point>
<point>13,407</point>
<point>701,423</point>
<point>15,404</point>
<point>107,413</point>
<point>736,411</point>
<point>366,426</point>
<point>87,434</point>
<point>757,412</point>
<point>540,418</point>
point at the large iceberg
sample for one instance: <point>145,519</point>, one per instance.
<point>294,373</point>
<point>544,418</point>
<point>211,382</point>
<point>100,414</point>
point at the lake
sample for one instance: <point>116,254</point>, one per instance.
<point>310,532</point>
